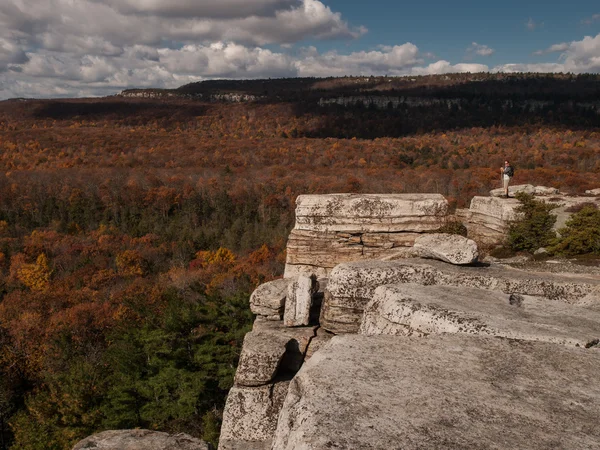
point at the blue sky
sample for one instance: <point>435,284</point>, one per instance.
<point>514,29</point>
<point>75,48</point>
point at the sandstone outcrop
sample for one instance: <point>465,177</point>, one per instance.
<point>336,228</point>
<point>251,415</point>
<point>352,285</point>
<point>526,188</point>
<point>442,392</point>
<point>450,248</point>
<point>268,299</point>
<point>463,350</point>
<point>411,309</point>
<point>271,355</point>
<point>140,440</point>
<point>488,218</point>
<point>593,192</point>
<point>299,301</point>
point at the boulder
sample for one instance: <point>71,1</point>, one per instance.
<point>250,416</point>
<point>512,190</point>
<point>352,285</point>
<point>442,392</point>
<point>593,192</point>
<point>360,213</point>
<point>298,340</point>
<point>544,190</point>
<point>140,440</point>
<point>488,218</point>
<point>450,248</point>
<point>337,228</point>
<point>299,301</point>
<point>260,358</point>
<point>268,299</point>
<point>411,309</point>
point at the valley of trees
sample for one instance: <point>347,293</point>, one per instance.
<point>132,231</point>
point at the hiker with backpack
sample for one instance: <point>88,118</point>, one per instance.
<point>506,173</point>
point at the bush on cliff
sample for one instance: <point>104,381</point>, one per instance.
<point>581,235</point>
<point>533,229</point>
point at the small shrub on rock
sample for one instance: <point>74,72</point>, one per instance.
<point>533,229</point>
<point>581,235</point>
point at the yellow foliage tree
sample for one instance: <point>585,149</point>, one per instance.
<point>131,263</point>
<point>36,276</point>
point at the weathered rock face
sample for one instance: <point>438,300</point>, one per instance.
<point>331,229</point>
<point>140,440</point>
<point>444,391</point>
<point>488,218</point>
<point>412,309</point>
<point>352,285</point>
<point>272,353</point>
<point>299,301</point>
<point>526,188</point>
<point>593,192</point>
<point>250,416</point>
<point>268,299</point>
<point>450,248</point>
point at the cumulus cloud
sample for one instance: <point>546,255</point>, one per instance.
<point>553,49</point>
<point>99,47</point>
<point>479,50</point>
<point>216,9</point>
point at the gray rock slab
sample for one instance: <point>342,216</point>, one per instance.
<point>268,299</point>
<point>370,212</point>
<point>317,252</point>
<point>442,392</point>
<point>512,190</point>
<point>260,358</point>
<point>297,338</point>
<point>352,285</point>
<point>593,192</point>
<point>140,440</point>
<point>250,416</point>
<point>299,301</point>
<point>423,310</point>
<point>450,248</point>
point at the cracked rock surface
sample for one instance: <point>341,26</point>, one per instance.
<point>442,392</point>
<point>411,309</point>
<point>140,440</point>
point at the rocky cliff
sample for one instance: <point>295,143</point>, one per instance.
<point>364,344</point>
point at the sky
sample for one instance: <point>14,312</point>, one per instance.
<point>81,48</point>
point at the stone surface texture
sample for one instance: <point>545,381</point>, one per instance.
<point>526,188</point>
<point>260,358</point>
<point>442,392</point>
<point>250,416</point>
<point>593,192</point>
<point>299,301</point>
<point>268,299</point>
<point>450,248</point>
<point>412,309</point>
<point>352,285</point>
<point>336,228</point>
<point>140,440</point>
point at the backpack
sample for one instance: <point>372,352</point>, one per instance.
<point>509,171</point>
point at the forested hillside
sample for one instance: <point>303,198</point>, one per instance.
<point>132,231</point>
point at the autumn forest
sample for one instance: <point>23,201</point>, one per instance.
<point>134,228</point>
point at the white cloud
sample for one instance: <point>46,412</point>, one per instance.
<point>479,50</point>
<point>442,66</point>
<point>553,49</point>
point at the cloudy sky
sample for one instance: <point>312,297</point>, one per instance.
<point>58,48</point>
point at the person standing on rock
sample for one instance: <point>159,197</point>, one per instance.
<point>506,174</point>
